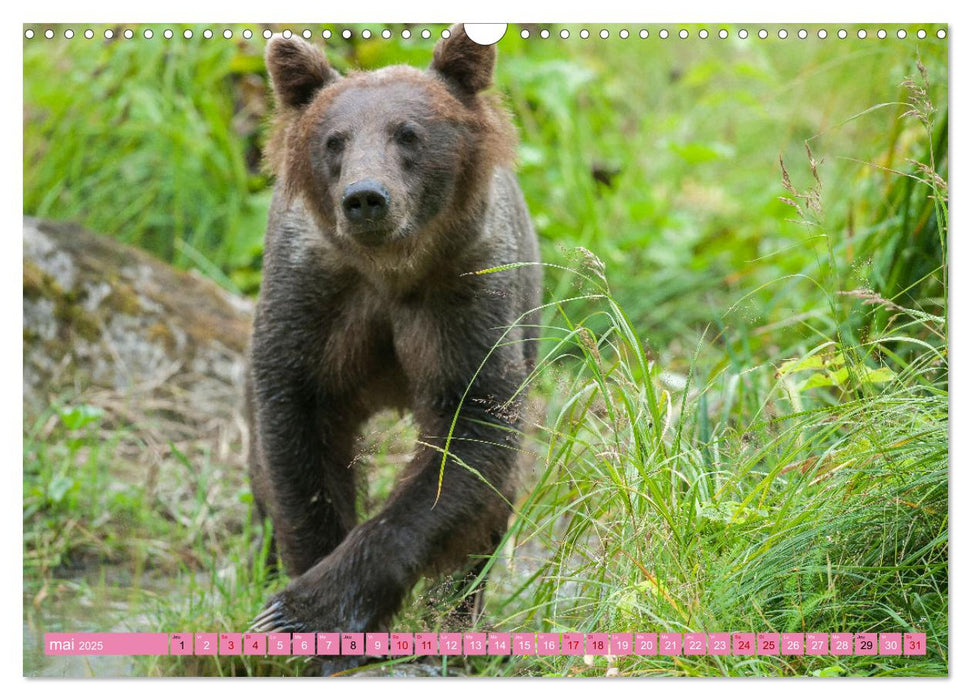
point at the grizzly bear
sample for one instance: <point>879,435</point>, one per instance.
<point>401,270</point>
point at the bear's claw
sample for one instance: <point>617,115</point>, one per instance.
<point>275,618</point>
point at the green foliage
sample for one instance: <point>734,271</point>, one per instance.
<point>667,506</point>
<point>74,509</point>
<point>138,139</point>
<point>795,485</point>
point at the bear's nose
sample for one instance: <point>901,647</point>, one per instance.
<point>366,200</point>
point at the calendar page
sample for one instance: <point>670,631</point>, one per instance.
<point>462,350</point>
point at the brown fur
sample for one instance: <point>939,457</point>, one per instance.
<point>359,313</point>
<point>483,115</point>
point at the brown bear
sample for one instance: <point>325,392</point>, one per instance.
<point>395,203</point>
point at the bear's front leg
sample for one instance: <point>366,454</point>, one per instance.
<point>303,461</point>
<point>361,584</point>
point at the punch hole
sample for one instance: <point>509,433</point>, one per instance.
<point>703,33</point>
<point>406,34</point>
<point>524,33</point>
<point>783,34</point>
<point>624,34</point>
<point>247,34</point>
<point>168,34</point>
<point>921,34</point>
<point>148,34</point>
<point>841,33</point>
<point>822,34</point>
<point>564,33</point>
<point>29,33</point>
<point>68,33</point>
<point>604,34</point>
<point>347,34</point>
<point>88,34</point>
<point>881,34</point>
<point>544,34</point>
<point>228,34</point>
<point>207,34</point>
<point>901,33</point>
<point>941,33</point>
<point>663,33</point>
<point>267,33</point>
<point>485,34</point>
<point>187,33</point>
<point>643,34</point>
<point>49,34</point>
<point>722,33</point>
<point>129,33</point>
<point>446,34</point>
<point>861,34</point>
<point>763,34</point>
<point>306,33</point>
<point>109,34</point>
<point>365,33</point>
<point>386,34</point>
<point>584,34</point>
<point>683,34</point>
<point>802,33</point>
<point>425,34</point>
<point>743,33</point>
<point>287,34</point>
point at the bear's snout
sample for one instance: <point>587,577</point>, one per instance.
<point>366,201</point>
<point>366,205</point>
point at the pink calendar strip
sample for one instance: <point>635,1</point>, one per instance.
<point>106,644</point>
<point>394,644</point>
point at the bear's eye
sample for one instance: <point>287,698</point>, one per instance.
<point>335,143</point>
<point>406,135</point>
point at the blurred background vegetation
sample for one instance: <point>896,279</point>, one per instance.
<point>661,155</point>
<point>764,298</point>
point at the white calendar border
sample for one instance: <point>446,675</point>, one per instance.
<point>440,11</point>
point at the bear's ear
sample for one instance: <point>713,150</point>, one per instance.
<point>297,70</point>
<point>466,65</point>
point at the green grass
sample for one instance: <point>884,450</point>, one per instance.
<point>743,387</point>
<point>825,509</point>
<point>170,121</point>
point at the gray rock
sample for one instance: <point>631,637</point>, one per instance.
<point>111,324</point>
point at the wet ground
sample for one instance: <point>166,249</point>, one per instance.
<point>103,600</point>
<point>106,597</point>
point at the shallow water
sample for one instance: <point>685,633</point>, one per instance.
<point>96,601</point>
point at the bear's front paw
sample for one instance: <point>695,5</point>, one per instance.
<point>288,612</point>
<point>295,609</point>
<point>329,598</point>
